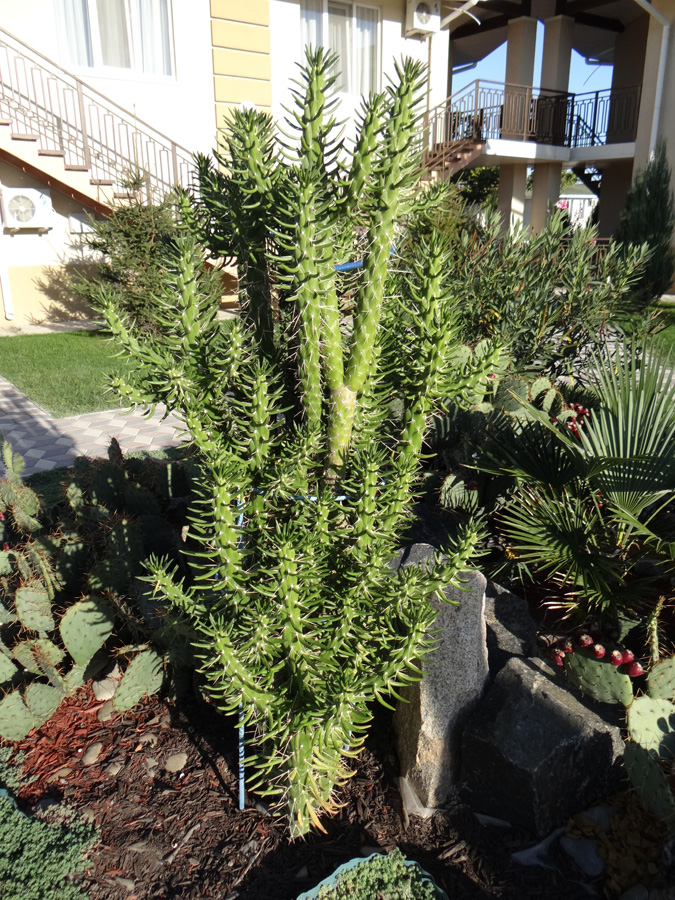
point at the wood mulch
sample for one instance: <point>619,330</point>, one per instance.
<point>180,834</point>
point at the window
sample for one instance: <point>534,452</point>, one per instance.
<point>118,34</point>
<point>350,31</point>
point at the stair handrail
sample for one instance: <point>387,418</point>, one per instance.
<point>179,158</point>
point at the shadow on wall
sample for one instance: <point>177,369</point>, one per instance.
<point>62,304</point>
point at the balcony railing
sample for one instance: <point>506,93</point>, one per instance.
<point>487,110</point>
<point>69,118</point>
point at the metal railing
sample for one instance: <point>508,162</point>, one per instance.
<point>487,110</point>
<point>93,133</point>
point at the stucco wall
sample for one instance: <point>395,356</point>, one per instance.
<point>180,106</point>
<point>287,51</point>
<point>36,265</point>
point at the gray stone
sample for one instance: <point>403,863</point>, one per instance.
<point>637,892</point>
<point>428,727</point>
<point>533,754</point>
<point>105,688</point>
<point>175,762</point>
<point>510,629</point>
<point>92,754</point>
<point>584,853</point>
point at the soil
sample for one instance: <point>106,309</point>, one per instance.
<point>180,834</point>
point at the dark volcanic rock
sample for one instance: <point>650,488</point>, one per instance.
<point>533,754</point>
<point>510,629</point>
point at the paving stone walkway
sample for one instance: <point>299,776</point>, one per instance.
<point>46,442</point>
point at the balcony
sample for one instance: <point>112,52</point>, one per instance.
<point>455,132</point>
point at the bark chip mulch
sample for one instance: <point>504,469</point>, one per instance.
<point>160,785</point>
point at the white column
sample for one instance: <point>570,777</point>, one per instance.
<point>520,47</point>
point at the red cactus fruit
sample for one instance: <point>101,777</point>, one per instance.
<point>616,657</point>
<point>634,670</point>
<point>628,657</point>
<point>558,657</point>
<point>568,646</point>
<point>585,640</point>
<point>599,651</point>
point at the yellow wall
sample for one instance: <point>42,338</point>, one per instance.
<point>241,54</point>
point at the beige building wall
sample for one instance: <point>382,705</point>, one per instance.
<point>34,267</point>
<point>240,34</point>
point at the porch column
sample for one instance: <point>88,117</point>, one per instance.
<point>545,192</point>
<point>520,47</point>
<point>555,75</point>
<point>511,196</point>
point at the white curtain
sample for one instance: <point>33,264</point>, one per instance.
<point>339,27</point>
<point>311,18</point>
<point>365,50</point>
<point>113,32</point>
<point>74,17</point>
<point>155,36</point>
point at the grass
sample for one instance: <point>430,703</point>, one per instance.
<point>64,373</point>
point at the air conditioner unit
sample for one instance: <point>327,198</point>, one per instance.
<point>423,17</point>
<point>26,209</point>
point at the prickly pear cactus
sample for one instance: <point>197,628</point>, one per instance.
<point>661,680</point>
<point>47,657</point>
<point>651,724</point>
<point>650,781</point>
<point>598,678</point>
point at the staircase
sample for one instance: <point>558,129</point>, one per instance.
<point>71,137</point>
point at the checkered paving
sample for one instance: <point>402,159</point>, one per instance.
<point>46,442</point>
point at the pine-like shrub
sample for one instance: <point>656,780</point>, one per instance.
<point>649,218</point>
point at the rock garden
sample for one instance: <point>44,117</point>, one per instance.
<point>405,593</point>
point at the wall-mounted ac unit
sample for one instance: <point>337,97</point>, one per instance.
<point>26,209</point>
<point>422,17</point>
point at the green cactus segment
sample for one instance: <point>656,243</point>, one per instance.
<point>43,701</point>
<point>649,780</point>
<point>143,675</point>
<point>7,669</point>
<point>651,723</point>
<point>455,494</point>
<point>5,562</point>
<point>661,680</point>
<point>85,628</point>
<point>16,720</point>
<point>34,609</point>
<point>598,678</point>
<point>511,395</point>
<point>41,657</point>
<point>6,617</point>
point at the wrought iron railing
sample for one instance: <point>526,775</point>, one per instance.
<point>487,110</point>
<point>93,133</point>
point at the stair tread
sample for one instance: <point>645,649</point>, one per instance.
<point>51,153</point>
<point>69,168</point>
<point>102,182</point>
<point>23,136</point>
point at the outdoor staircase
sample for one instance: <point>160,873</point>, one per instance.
<point>449,157</point>
<point>590,176</point>
<point>70,137</point>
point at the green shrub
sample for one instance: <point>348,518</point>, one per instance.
<point>588,487</point>
<point>380,878</point>
<point>649,218</point>
<point>39,856</point>
<point>131,244</point>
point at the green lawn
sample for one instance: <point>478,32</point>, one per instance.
<point>65,373</point>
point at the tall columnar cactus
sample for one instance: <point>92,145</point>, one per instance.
<point>304,482</point>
